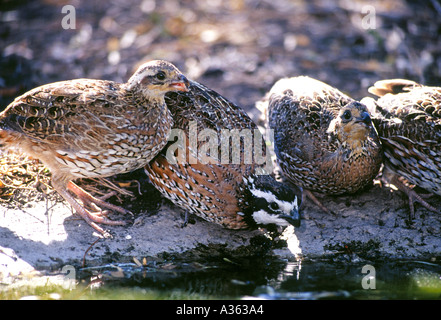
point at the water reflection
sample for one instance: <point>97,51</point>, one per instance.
<point>275,279</point>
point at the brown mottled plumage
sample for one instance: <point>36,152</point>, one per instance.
<point>93,128</point>
<point>324,141</point>
<point>203,175</point>
<point>407,116</point>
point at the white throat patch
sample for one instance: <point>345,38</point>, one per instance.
<point>263,217</point>
<point>285,206</point>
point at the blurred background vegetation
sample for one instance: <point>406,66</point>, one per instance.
<point>237,47</point>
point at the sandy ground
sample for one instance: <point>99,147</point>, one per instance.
<point>46,236</point>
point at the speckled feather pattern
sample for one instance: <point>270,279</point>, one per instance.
<point>314,147</point>
<point>408,119</point>
<point>88,128</point>
<point>209,188</point>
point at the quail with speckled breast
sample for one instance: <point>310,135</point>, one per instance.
<point>208,174</point>
<point>407,116</point>
<point>324,140</point>
<point>88,128</point>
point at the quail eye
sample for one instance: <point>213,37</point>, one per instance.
<point>160,75</point>
<point>274,206</point>
<point>347,115</point>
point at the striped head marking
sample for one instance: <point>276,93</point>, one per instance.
<point>158,77</point>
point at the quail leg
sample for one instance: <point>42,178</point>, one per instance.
<point>413,197</point>
<point>185,223</point>
<point>313,198</point>
<point>91,218</point>
<point>88,198</point>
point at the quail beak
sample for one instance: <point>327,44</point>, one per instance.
<point>181,85</point>
<point>293,218</point>
<point>365,118</point>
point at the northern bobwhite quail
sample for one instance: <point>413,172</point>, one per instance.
<point>324,140</point>
<point>212,178</point>
<point>407,116</point>
<point>88,128</point>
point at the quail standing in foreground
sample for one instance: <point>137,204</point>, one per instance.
<point>213,183</point>
<point>407,116</point>
<point>88,128</point>
<point>324,140</point>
